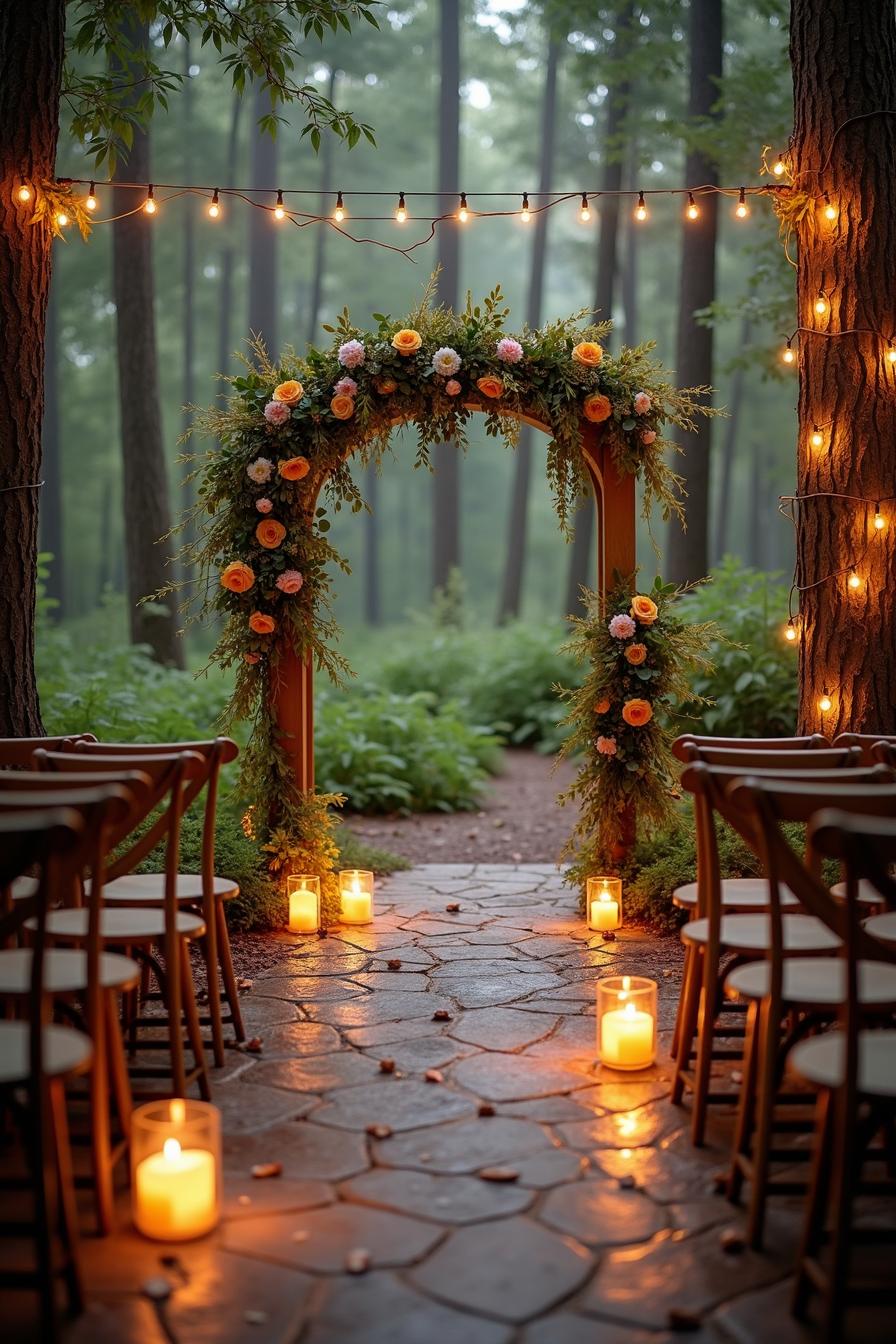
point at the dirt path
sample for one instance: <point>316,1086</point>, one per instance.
<point>520,821</point>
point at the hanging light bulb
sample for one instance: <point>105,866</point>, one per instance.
<point>339,212</point>
<point>854,581</point>
<point>279,212</point>
<point>891,354</point>
<point>463,213</point>
<point>214,209</point>
<point>640,208</point>
<point>401,212</point>
<point>830,210</point>
<point>821,305</point>
<point>693,210</point>
<point>24,193</point>
<point>880,521</point>
<point>816,438</point>
<point>788,354</point>
<point>524,213</point>
<point>584,211</point>
<point>790,631</point>
<point>779,167</point>
<point>149,205</point>
<point>825,703</point>
<point>61,218</point>
<point>90,202</point>
<point>742,209</point>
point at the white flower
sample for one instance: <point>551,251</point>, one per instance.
<point>260,470</point>
<point>446,361</point>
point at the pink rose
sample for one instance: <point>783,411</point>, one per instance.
<point>642,403</point>
<point>622,627</point>
<point>290,581</point>
<point>347,386</point>
<point>606,746</point>
<point>648,435</point>
<point>508,350</point>
<point>263,505</point>
<point>452,387</point>
<point>277,413</point>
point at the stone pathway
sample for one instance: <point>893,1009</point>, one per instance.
<point>403,1065</point>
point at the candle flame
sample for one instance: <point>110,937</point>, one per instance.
<point>629,1009</point>
<point>171,1149</point>
<point>626,983</point>
<point>178,1111</point>
<point>356,887</point>
<point>605,893</point>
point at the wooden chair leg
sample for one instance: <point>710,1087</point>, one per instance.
<point>68,1216</point>
<point>210,953</point>
<point>194,1026</point>
<point>746,1110</point>
<point>227,973</point>
<point>687,1025</point>
<point>766,1048</point>
<point>174,954</point>
<point>688,958</point>
<point>846,1164</point>
<point>706,1019</point>
<point>816,1204</point>
<point>100,1133</point>
<point>41,1143</point>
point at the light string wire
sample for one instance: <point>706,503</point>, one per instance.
<point>788,507</point>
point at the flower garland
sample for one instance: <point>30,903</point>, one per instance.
<point>640,655</point>
<point>288,434</point>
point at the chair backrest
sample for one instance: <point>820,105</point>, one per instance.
<point>682,745</point>
<point>824,758</point>
<point>866,742</point>
<point>43,789</point>
<point>17,753</point>
<point>884,753</point>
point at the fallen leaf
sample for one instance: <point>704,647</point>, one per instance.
<point>243,986</point>
<point>486,1109</point>
<point>387,1066</point>
<point>255,1046</point>
<point>627,1182</point>
<point>434,1076</point>
<point>732,1241</point>
<point>379,1131</point>
<point>394,964</point>
<point>441,1015</point>
<point>357,1261</point>
<point>453,907</point>
<point>263,1171</point>
<point>499,1175</point>
<point>608,936</point>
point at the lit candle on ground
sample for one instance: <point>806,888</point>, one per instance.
<point>604,912</point>
<point>304,904</point>
<point>175,1194</point>
<point>626,1038</point>
<point>356,896</point>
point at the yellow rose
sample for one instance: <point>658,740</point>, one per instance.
<point>262,624</point>
<point>588,353</point>
<point>407,341</point>
<point>294,468</point>
<point>237,577</point>
<point>597,408</point>
<point>269,533</point>
<point>636,654</point>
<point>289,392</point>
<point>644,610</point>
<point>490,386</point>
<point>342,406</point>
<point>637,712</point>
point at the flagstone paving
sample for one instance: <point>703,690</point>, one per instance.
<point>456,1169</point>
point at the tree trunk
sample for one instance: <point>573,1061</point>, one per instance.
<point>147,510</point>
<point>729,446</point>
<point>628,278</point>
<point>446,456</point>
<point>51,470</point>
<point>688,551</point>
<point>188,218</point>
<point>756,511</point>
<point>517,525</point>
<point>844,68</point>
<point>321,232</point>
<point>263,298</point>
<point>373,614</point>
<point>225,325</point>
<point>581,571</point>
<point>31,54</point>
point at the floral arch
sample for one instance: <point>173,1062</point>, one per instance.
<point>286,442</point>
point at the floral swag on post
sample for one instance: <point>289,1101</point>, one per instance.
<point>289,433</point>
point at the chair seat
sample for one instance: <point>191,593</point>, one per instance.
<point>65,1051</point>
<point>738,893</point>
<point>883,927</point>
<point>23,888</point>
<point>121,925</point>
<point>65,971</point>
<point>752,933</point>
<point>821,1060</point>
<point>816,982</point>
<point>868,893</point>
<point>148,889</point>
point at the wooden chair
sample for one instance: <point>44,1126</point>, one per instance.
<point>854,1070</point>
<point>714,933</point>
<point>789,996</point>
<point>140,931</point>
<point>85,984</point>
<point>867,744</point>
<point>203,892</point>
<point>17,753</point>
<point>681,745</point>
<point>35,1062</point>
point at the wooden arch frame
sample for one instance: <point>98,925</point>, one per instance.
<point>614,498</point>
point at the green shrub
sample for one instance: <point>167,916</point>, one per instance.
<point>401,753</point>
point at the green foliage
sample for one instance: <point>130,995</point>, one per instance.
<point>395,753</point>
<point>752,682</point>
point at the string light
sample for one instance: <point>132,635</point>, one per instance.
<point>524,213</point>
<point>90,203</point>
<point>825,703</point>
<point>693,210</point>
<point>149,205</point>
<point>640,208</point>
<point>854,582</point>
<point>584,212</point>
<point>779,167</point>
<point>214,209</point>
<point>742,210</point>
<point>401,212</point>
<point>830,210</point>
<point>880,521</point>
<point>339,212</point>
<point>891,354</point>
<point>24,193</point>
<point>279,212</point>
<point>817,438</point>
<point>462,213</point>
<point>787,354</point>
<point>821,305</point>
<point>790,631</point>
<point>61,218</point>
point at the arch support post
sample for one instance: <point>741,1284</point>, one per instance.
<point>293,693</point>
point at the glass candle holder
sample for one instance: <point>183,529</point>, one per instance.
<point>356,896</point>
<point>303,893</point>
<point>175,1169</point>
<point>626,1022</point>
<point>603,903</point>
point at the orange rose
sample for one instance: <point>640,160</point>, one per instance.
<point>490,386</point>
<point>637,712</point>
<point>343,406</point>
<point>636,654</point>
<point>386,386</point>
<point>602,705</point>
<point>294,468</point>
<point>407,341</point>
<point>269,533</point>
<point>261,624</point>
<point>644,610</point>
<point>290,392</point>
<point>237,577</point>
<point>597,408</point>
<point>588,353</point>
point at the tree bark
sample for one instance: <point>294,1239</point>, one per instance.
<point>31,55</point>
<point>263,297</point>
<point>147,509</point>
<point>51,536</point>
<point>688,551</point>
<point>844,71</point>
<point>517,524</point>
<point>446,456</point>
<point>319,268</point>
<point>580,572</point>
<point>729,446</point>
